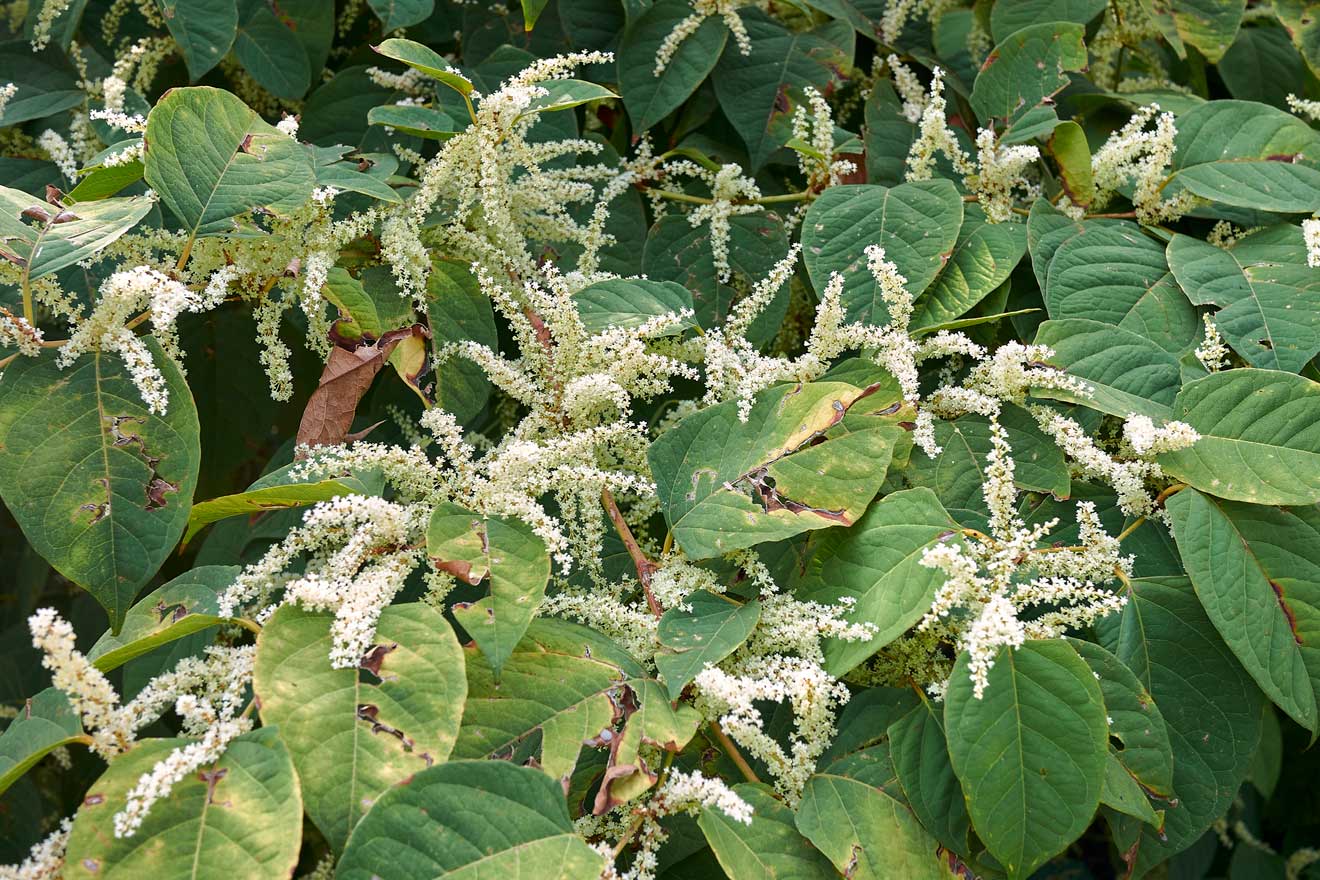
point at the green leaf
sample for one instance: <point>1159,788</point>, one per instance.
<point>1263,185</point>
<point>1124,794</point>
<point>1069,148</point>
<point>560,681</point>
<point>370,181</point>
<point>920,754</point>
<point>1303,27</point>
<point>878,564</point>
<point>650,98</point>
<point>1135,721</point>
<point>1030,753</point>
<point>424,122</point>
<point>1027,67</point>
<point>865,833</point>
<point>916,223</point>
<point>44,723</point>
<point>982,259</point>
<point>422,58</point>
<point>631,302</point>
<point>210,158</point>
<point>1210,705</point>
<point>1228,130</point>
<point>473,547</point>
<point>458,311</point>
<point>725,484</point>
<point>532,10</point>
<point>1129,373</point>
<point>758,91</point>
<point>59,237</point>
<point>270,51</point>
<point>204,30</point>
<point>196,831</point>
<point>1260,439</point>
<point>769,847</point>
<point>1237,588</point>
<point>100,485</point>
<point>186,605</point>
<point>957,472</point>
<point>564,94</point>
<point>1269,314</point>
<point>369,305</point>
<point>1209,25</point>
<point>1263,65</point>
<point>1008,16</point>
<point>353,733</point>
<point>397,14</point>
<point>46,83</point>
<point>255,501</point>
<point>712,629</point>
<point>469,819</point>
<point>1103,273</point>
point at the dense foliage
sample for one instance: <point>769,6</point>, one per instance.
<point>659,439</point>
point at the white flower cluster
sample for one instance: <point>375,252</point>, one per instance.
<point>702,10</point>
<point>359,549</point>
<point>207,693</point>
<point>909,88</point>
<point>1212,352</point>
<point>992,581</point>
<point>1304,108</point>
<point>691,792</point>
<point>60,152</point>
<point>1311,235</point>
<point>934,136</point>
<point>16,331</point>
<point>124,293</point>
<point>45,860</point>
<point>7,91</point>
<point>1147,439</point>
<point>815,129</point>
<point>999,173</point>
<point>1135,156</point>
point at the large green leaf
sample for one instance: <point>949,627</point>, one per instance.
<point>1227,130</point>
<point>560,680</point>
<point>355,732</point>
<point>916,223</point>
<point>982,259</point>
<point>725,484</point>
<point>1269,313</point>
<point>1103,273</point>
<point>457,310</point>
<point>957,472</point>
<point>631,302</point>
<point>1237,588</point>
<point>187,605</point>
<point>470,819</point>
<point>1027,67</point>
<point>1209,25</point>
<point>60,237</point>
<point>867,834</point>
<point>877,563</point>
<point>1263,185</point>
<point>920,753</point>
<point>210,158</point>
<point>1134,720</point>
<point>100,485</point>
<point>44,723</point>
<point>1303,26</point>
<point>1210,705</point>
<point>270,51</point>
<point>712,628</point>
<point>397,14</point>
<point>770,848</point>
<point>1007,16</point>
<point>1126,372</point>
<point>1030,753</point>
<point>650,98</point>
<point>240,817</point>
<point>45,83</point>
<point>204,30</point>
<point>1262,65</point>
<point>1260,437</point>
<point>473,548</point>
<point>754,90</point>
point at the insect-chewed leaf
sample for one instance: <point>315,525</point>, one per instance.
<point>725,484</point>
<point>355,732</point>
<point>60,237</point>
<point>706,632</point>
<point>239,817</point>
<point>1027,67</point>
<point>100,485</point>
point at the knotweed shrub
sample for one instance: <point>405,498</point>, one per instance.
<point>659,440</point>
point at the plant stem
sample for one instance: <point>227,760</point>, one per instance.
<point>732,751</point>
<point>645,567</point>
